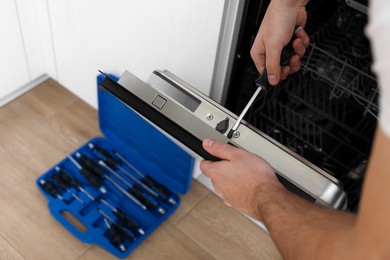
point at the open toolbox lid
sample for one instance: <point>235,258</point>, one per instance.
<point>149,150</point>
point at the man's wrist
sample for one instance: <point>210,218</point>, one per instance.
<point>266,197</point>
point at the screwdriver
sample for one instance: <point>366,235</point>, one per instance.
<point>111,162</point>
<point>51,189</point>
<point>96,182</point>
<point>90,164</point>
<point>127,222</point>
<point>57,179</point>
<point>113,235</point>
<point>119,230</point>
<point>134,190</point>
<point>148,181</point>
<point>263,84</point>
<point>72,182</point>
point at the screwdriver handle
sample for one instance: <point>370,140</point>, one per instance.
<point>127,222</point>
<point>50,188</point>
<point>57,179</point>
<point>287,53</point>
<point>67,179</point>
<point>159,187</point>
<point>138,194</point>
<point>90,164</point>
<point>109,159</point>
<point>91,178</point>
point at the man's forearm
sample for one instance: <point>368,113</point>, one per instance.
<point>302,230</point>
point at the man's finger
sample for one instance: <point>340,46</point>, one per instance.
<point>258,59</point>
<point>220,149</point>
<point>272,64</point>
<point>303,35</point>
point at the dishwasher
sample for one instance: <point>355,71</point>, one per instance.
<point>327,112</point>
<point>315,129</point>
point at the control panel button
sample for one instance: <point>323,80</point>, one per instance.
<point>159,102</point>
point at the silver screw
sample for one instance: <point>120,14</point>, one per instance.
<point>236,134</point>
<point>209,117</point>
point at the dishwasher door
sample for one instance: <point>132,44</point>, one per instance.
<point>189,116</point>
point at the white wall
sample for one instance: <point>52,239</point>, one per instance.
<point>139,36</point>
<point>14,67</point>
<point>24,56</point>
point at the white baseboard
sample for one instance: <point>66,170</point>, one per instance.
<point>23,89</point>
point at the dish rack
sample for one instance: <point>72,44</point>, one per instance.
<point>327,113</point>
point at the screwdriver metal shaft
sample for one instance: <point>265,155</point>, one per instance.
<point>148,181</point>
<point>133,188</point>
<point>239,119</point>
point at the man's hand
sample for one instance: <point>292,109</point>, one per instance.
<point>242,179</point>
<point>275,32</point>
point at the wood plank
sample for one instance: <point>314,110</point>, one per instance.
<point>188,201</point>
<point>26,223</point>
<point>225,233</point>
<point>27,150</point>
<point>43,101</point>
<point>7,251</point>
<point>76,124</point>
<point>166,242</point>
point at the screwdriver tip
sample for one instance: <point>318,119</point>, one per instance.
<point>230,134</point>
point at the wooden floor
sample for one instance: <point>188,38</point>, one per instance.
<point>35,132</point>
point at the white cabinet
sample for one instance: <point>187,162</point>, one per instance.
<point>139,36</point>
<point>13,64</point>
<point>71,40</point>
<point>26,54</point>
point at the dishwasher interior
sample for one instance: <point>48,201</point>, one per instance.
<point>327,112</point>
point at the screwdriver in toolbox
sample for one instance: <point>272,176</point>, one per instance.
<point>72,182</point>
<point>147,180</point>
<point>119,230</point>
<point>127,222</point>
<point>111,162</point>
<point>135,190</point>
<point>96,182</point>
<point>57,179</point>
<point>115,238</point>
<point>51,189</point>
<point>263,84</point>
<point>90,164</point>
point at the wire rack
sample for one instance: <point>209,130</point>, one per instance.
<point>343,78</point>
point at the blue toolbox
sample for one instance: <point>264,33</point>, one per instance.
<point>115,190</point>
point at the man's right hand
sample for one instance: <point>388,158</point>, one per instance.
<point>276,30</point>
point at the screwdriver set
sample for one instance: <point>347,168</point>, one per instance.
<point>115,190</point>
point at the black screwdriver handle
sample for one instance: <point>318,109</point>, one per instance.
<point>91,178</point>
<point>287,53</point>
<point>121,232</point>
<point>109,159</point>
<point>159,187</point>
<point>57,179</point>
<point>115,238</point>
<point>50,188</point>
<point>138,193</point>
<point>67,179</point>
<point>127,222</point>
<point>91,165</point>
